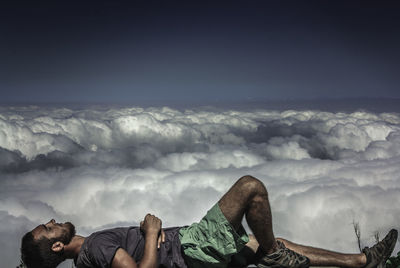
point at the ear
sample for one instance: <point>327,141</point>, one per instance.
<point>57,246</point>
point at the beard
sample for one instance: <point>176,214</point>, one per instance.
<point>68,234</point>
<point>49,258</point>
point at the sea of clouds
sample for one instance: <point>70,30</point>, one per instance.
<point>105,167</point>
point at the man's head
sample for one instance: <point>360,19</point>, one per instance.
<point>44,245</point>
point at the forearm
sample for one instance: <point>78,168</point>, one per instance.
<point>149,259</point>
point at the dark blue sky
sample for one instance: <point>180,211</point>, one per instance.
<point>163,51</point>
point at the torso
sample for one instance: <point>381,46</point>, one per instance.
<point>99,248</point>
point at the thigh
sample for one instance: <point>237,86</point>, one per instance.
<point>212,241</point>
<point>233,203</point>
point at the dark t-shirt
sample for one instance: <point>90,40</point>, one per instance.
<point>99,248</point>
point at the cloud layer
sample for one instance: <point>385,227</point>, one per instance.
<point>108,167</point>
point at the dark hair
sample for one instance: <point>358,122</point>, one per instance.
<point>38,253</point>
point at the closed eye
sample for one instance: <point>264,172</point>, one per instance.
<point>46,228</point>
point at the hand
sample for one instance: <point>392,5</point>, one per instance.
<point>153,224</point>
<point>150,224</point>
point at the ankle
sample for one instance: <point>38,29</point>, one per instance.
<point>273,248</point>
<point>261,252</point>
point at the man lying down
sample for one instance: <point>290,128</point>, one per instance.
<point>218,240</point>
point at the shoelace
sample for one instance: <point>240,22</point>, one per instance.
<point>291,257</point>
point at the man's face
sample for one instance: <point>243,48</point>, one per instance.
<point>62,232</point>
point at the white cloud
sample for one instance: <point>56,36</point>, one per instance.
<point>101,168</point>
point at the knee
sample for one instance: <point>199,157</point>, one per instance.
<point>252,185</point>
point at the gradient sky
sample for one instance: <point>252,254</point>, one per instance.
<point>141,51</point>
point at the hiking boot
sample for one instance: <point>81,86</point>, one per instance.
<point>380,252</point>
<point>283,257</point>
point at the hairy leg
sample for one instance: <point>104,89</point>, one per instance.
<point>317,256</point>
<point>322,257</point>
<point>249,197</point>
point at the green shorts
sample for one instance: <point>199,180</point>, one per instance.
<point>212,242</point>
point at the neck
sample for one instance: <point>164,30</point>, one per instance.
<point>72,249</point>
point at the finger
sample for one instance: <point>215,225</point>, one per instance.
<point>159,242</point>
<point>162,236</point>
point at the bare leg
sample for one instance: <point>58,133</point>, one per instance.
<point>322,257</point>
<point>248,196</point>
<point>317,256</point>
